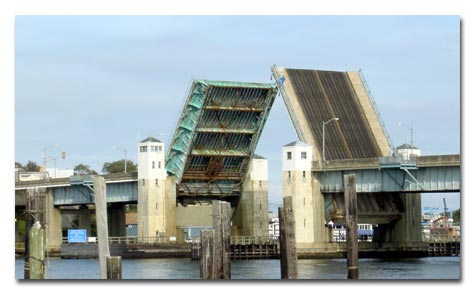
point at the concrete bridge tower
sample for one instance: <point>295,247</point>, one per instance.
<point>251,217</point>
<point>156,193</point>
<point>298,182</point>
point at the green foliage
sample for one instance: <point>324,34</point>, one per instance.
<point>19,166</point>
<point>457,216</point>
<point>31,166</point>
<point>83,169</point>
<point>118,167</point>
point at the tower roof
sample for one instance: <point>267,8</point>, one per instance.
<point>258,157</point>
<point>297,143</point>
<point>406,146</point>
<point>150,139</point>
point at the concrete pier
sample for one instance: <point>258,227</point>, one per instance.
<point>251,215</point>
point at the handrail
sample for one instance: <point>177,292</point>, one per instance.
<point>128,240</point>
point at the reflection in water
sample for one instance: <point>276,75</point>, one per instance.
<point>183,268</point>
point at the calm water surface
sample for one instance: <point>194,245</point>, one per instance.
<point>178,268</point>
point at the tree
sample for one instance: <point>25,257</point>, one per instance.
<point>118,167</point>
<point>19,166</point>
<point>31,166</point>
<point>83,169</point>
<point>457,216</point>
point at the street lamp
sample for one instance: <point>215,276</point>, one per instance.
<point>44,157</point>
<point>125,157</point>
<point>412,134</point>
<point>324,124</point>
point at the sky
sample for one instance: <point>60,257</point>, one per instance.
<point>408,64</point>
<point>88,83</point>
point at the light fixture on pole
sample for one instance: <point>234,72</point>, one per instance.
<point>412,134</point>
<point>323,125</point>
<point>45,158</point>
<point>125,157</point>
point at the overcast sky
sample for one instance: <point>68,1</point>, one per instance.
<point>88,83</point>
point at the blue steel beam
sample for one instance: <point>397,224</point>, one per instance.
<point>423,178</point>
<point>115,192</point>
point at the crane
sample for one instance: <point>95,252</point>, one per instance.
<point>446,215</point>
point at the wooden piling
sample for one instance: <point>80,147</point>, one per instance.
<point>288,250</point>
<point>34,211</point>
<point>114,267</point>
<point>207,266</point>
<point>29,219</point>
<point>101,223</point>
<point>351,226</point>
<point>222,238</point>
<point>37,251</point>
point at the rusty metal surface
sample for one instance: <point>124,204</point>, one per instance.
<point>216,137</point>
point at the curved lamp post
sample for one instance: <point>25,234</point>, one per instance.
<point>324,124</point>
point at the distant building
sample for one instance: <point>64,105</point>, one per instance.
<point>274,228</point>
<point>131,224</point>
<point>408,152</point>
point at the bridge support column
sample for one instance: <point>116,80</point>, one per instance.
<point>53,223</point>
<point>84,218</point>
<point>156,208</point>
<point>251,217</point>
<point>322,233</point>
<point>116,220</point>
<point>404,234</point>
<point>304,187</point>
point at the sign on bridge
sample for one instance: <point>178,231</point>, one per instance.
<point>77,236</point>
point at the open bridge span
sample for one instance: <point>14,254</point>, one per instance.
<point>215,138</point>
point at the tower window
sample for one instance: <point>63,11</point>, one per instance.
<point>159,148</point>
<point>260,183</point>
<point>156,182</point>
<point>304,201</point>
<point>303,174</point>
<point>143,182</point>
<point>304,223</point>
<point>154,148</point>
<point>289,174</point>
<point>289,155</point>
<point>143,148</point>
<point>303,155</point>
<point>153,164</point>
<point>159,164</point>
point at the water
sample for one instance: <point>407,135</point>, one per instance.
<point>184,268</point>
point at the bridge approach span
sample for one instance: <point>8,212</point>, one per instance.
<point>426,174</point>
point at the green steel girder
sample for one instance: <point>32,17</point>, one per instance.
<point>250,103</point>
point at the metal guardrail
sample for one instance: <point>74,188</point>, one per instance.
<point>128,240</point>
<point>235,240</point>
<point>247,240</point>
<point>440,239</point>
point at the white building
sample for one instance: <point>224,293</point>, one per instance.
<point>408,152</point>
<point>156,197</point>
<point>274,232</point>
<point>297,183</point>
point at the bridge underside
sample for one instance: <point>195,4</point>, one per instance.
<point>215,139</point>
<point>373,208</point>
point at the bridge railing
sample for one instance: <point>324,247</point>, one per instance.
<point>129,240</point>
<point>440,239</point>
<point>247,240</point>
